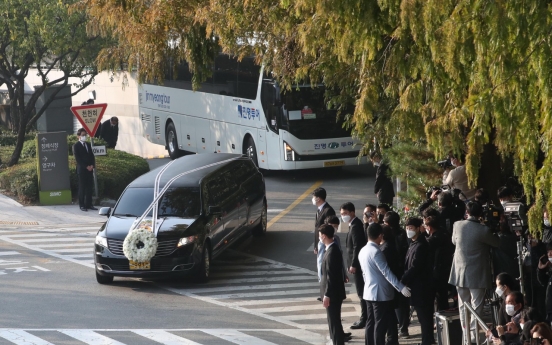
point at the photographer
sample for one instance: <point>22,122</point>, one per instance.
<point>544,277</point>
<point>450,210</point>
<point>458,179</point>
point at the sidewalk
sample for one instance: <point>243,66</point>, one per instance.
<point>15,214</point>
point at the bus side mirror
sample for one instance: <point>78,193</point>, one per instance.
<point>215,210</point>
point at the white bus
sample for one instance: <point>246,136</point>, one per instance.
<point>239,111</point>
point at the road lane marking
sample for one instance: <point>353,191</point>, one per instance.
<point>164,337</point>
<point>236,337</point>
<point>253,287</point>
<point>90,337</point>
<point>260,280</point>
<point>9,253</point>
<point>20,337</point>
<point>295,203</point>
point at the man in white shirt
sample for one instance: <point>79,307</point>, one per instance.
<point>379,282</point>
<point>458,179</point>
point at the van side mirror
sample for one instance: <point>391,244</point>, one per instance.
<point>105,211</point>
<point>215,210</point>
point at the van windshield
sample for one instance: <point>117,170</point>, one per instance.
<point>177,202</point>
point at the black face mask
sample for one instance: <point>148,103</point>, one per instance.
<point>380,218</point>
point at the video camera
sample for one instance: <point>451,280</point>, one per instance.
<point>444,188</point>
<point>516,214</point>
<point>445,163</point>
<point>491,216</point>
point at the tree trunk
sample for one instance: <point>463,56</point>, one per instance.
<point>20,140</point>
<point>489,172</point>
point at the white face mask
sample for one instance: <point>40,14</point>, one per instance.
<point>546,222</point>
<point>499,291</point>
<point>82,138</point>
<point>376,164</point>
<point>550,259</point>
<point>314,201</point>
<point>503,203</point>
<point>521,325</point>
<point>427,230</point>
<point>346,218</point>
<point>410,233</point>
<point>510,309</point>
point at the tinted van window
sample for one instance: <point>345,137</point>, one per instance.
<point>177,202</point>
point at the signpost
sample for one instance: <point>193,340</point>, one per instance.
<point>53,168</point>
<point>90,117</point>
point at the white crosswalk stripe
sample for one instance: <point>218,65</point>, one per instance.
<point>266,288</point>
<point>71,244</point>
<point>287,295</point>
<point>163,336</point>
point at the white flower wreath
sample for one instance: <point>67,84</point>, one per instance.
<point>132,241</point>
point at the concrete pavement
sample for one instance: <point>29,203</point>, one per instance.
<point>15,214</point>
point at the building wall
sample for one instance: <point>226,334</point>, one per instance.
<point>120,92</point>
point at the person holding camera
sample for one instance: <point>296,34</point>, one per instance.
<point>471,270</point>
<point>450,211</point>
<point>383,187</point>
<point>458,179</point>
<point>544,277</point>
<point>541,334</point>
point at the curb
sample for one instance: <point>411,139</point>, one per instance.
<point>157,157</point>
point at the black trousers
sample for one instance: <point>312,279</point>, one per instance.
<point>377,320</point>
<point>425,317</point>
<point>359,284</point>
<point>334,321</point>
<point>402,312</point>
<point>86,184</point>
<point>441,296</point>
<point>392,330</point>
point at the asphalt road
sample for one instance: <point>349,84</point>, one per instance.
<point>50,296</point>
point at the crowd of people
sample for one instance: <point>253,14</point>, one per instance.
<point>436,261</point>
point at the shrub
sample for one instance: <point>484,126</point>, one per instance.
<point>8,138</point>
<point>29,149</point>
<point>114,172</point>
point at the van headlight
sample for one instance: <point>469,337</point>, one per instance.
<point>289,154</point>
<point>101,241</point>
<point>186,240</point>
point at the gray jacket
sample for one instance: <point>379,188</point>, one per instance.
<point>471,266</point>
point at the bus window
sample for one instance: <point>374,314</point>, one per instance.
<point>271,105</point>
<point>309,117</point>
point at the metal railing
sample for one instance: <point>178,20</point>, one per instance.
<point>479,324</point>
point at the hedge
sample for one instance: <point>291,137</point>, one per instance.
<point>114,172</point>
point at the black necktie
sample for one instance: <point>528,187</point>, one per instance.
<point>84,144</point>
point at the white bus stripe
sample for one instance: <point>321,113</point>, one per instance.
<point>90,337</point>
<point>236,337</point>
<point>164,337</point>
<point>20,337</point>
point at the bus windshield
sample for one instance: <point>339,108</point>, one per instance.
<point>306,115</point>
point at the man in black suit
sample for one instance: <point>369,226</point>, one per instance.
<point>109,131</point>
<point>383,187</point>
<point>82,151</point>
<point>324,210</point>
<point>417,276</point>
<point>356,239</point>
<point>332,286</point>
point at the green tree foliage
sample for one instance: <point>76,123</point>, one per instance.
<point>457,75</point>
<point>43,37</point>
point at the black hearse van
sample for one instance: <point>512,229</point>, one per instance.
<point>200,214</point>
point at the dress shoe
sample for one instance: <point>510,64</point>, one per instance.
<point>347,334</point>
<point>347,338</point>
<point>83,209</point>
<point>319,299</point>
<point>92,208</point>
<point>404,335</point>
<point>358,325</point>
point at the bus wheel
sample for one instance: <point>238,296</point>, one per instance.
<point>251,151</point>
<point>172,142</point>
